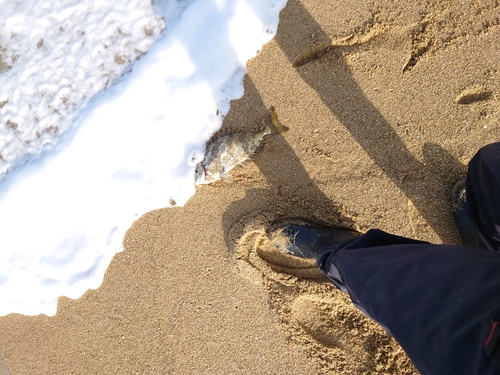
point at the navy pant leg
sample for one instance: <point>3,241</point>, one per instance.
<point>483,195</point>
<point>436,300</point>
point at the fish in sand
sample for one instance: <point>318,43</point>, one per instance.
<point>228,151</point>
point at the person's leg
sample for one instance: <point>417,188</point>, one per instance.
<point>437,301</point>
<point>483,196</point>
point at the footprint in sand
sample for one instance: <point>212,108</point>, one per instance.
<point>257,257</point>
<point>349,335</point>
<point>316,317</point>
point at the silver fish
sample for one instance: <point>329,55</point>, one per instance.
<point>226,152</point>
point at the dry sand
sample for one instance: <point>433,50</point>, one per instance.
<point>386,102</point>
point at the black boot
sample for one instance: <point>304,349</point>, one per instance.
<point>306,239</point>
<point>465,226</point>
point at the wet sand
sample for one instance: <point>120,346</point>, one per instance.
<point>386,102</point>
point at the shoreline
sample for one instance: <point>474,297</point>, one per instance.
<point>377,139</point>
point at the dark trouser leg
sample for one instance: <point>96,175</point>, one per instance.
<point>483,195</point>
<point>436,300</point>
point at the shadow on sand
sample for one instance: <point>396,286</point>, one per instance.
<point>366,125</point>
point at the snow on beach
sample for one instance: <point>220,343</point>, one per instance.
<point>90,140</point>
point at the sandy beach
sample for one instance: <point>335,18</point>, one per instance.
<point>386,103</point>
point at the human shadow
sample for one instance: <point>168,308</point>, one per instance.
<point>335,85</point>
<point>298,196</point>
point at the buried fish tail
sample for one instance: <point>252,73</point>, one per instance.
<point>274,124</point>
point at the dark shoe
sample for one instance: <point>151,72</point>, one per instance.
<point>464,224</point>
<point>306,239</point>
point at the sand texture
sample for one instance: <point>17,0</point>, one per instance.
<point>386,102</point>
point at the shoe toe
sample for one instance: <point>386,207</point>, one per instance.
<point>294,239</point>
<point>305,239</point>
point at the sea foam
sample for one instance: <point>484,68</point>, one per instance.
<point>92,139</point>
